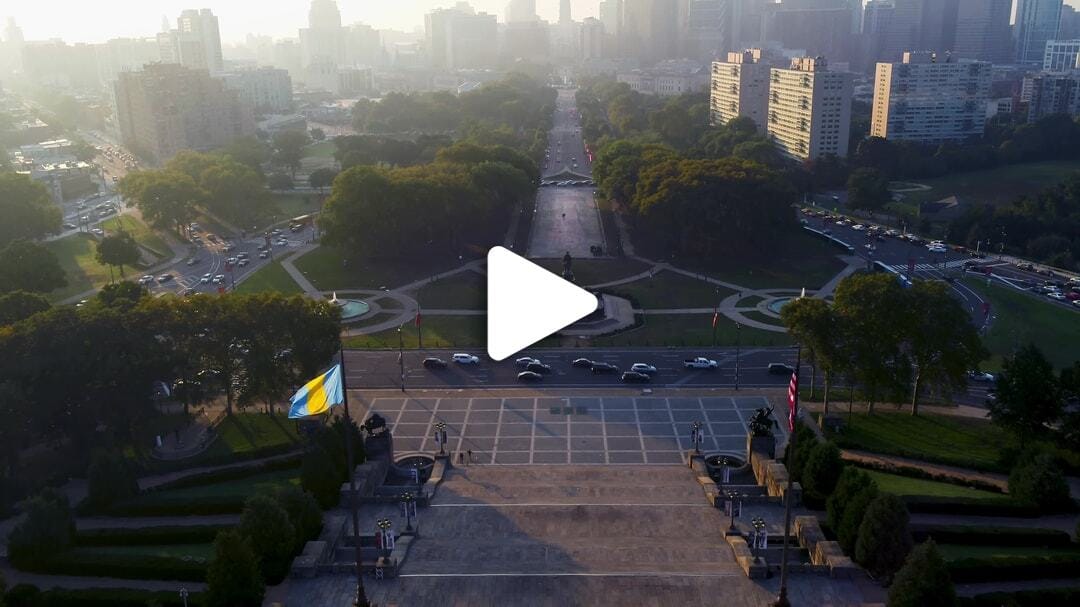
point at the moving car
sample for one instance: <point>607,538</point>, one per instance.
<point>206,278</point>
<point>780,369</point>
<point>700,363</point>
<point>192,261</point>
<point>529,376</point>
<point>434,363</point>
<point>980,376</point>
<point>165,278</point>
<point>631,377</point>
<point>465,359</point>
<point>147,279</point>
<point>599,368</point>
<point>525,361</point>
<point>643,368</point>
<point>538,367</point>
<point>582,363</point>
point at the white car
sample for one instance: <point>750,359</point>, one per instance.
<point>220,278</point>
<point>858,227</point>
<point>981,376</point>
<point>147,279</point>
<point>206,278</point>
<point>525,361</point>
<point>1058,295</point>
<point>643,368</point>
<point>465,359</point>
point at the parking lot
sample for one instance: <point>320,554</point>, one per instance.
<point>573,429</point>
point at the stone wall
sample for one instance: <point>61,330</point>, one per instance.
<point>822,552</point>
<point>773,475</point>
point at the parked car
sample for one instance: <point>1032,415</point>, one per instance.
<point>631,377</point>
<point>434,363</point>
<point>529,376</point>
<point>780,369</point>
<point>165,278</point>
<point>206,278</point>
<point>466,359</point>
<point>147,279</point>
<point>582,363</point>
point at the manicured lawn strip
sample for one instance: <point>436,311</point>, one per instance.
<point>215,498</point>
<point>116,597</point>
<point>242,432</point>
<point>185,562</point>
<point>324,268</point>
<point>906,486</point>
<point>438,332</point>
<point>801,260</point>
<point>462,291</point>
<point>957,441</point>
<point>588,272</point>
<point>690,330</point>
<point>999,185</point>
<point>76,256</point>
<point>997,537</point>
<point>271,277</point>
<point>955,552</point>
<point>387,303</point>
<point>1022,318</point>
<point>202,552</point>
<point>148,536</point>
<point>668,290</point>
<point>1047,565</point>
<point>142,233</point>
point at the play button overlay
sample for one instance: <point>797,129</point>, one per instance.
<point>526,303</point>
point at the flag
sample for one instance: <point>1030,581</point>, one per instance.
<point>318,395</point>
<point>793,399</point>
<point>715,319</point>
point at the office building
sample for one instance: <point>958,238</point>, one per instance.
<point>890,27</point>
<point>592,39</point>
<point>740,87</point>
<point>809,113</point>
<point>930,99</point>
<point>564,11</point>
<point>611,16</point>
<point>521,11</point>
<point>1037,23</point>
<point>982,31</point>
<point>461,38</point>
<point>667,78</point>
<point>166,108</point>
<point>818,27</point>
<point>1053,94</point>
<point>1069,27</point>
<point>266,89</point>
<point>707,23</point>
<point>124,55</point>
<point>649,30</point>
<point>1061,55</point>
<point>323,40</point>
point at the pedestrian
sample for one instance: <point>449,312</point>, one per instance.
<point>460,458</point>
<point>470,457</point>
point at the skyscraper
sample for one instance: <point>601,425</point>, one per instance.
<point>322,42</point>
<point>564,11</point>
<point>982,31</point>
<point>521,11</point>
<point>820,27</point>
<point>1037,22</point>
<point>708,32</point>
<point>459,37</point>
<point>649,30</point>
<point>199,40</point>
<point>889,28</point>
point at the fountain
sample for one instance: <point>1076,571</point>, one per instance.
<point>351,309</point>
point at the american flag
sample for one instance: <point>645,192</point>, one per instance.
<point>793,399</point>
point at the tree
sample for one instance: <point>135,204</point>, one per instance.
<point>871,308</point>
<point>279,181</point>
<point>167,198</point>
<point>884,538</point>
<point>304,512</point>
<point>27,209</point>
<point>118,250</point>
<point>318,478</point>
<point>3,589</point>
<point>234,191</point>
<point>813,324</point>
<point>942,342</point>
<point>28,266</point>
<point>822,471</point>
<point>289,149</point>
<point>851,522</point>
<point>806,441</point>
<point>233,578</point>
<point>923,581</point>
<point>19,305</point>
<point>852,481</point>
<point>868,189</point>
<point>1028,396</point>
<point>110,479</point>
<point>1038,479</point>
<point>265,526</point>
<point>122,295</point>
<point>248,151</point>
<point>318,134</point>
<point>47,529</point>
<point>322,178</point>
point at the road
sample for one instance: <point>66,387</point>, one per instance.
<point>381,369</point>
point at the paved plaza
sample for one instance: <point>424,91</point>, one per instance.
<point>566,219</point>
<point>642,430</point>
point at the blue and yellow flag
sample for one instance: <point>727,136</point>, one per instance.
<point>318,395</point>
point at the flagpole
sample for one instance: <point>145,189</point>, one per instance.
<point>782,600</point>
<point>419,323</point>
<point>361,599</point>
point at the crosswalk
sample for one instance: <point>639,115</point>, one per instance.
<point>927,267</point>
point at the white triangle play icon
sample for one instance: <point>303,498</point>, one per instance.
<point>526,303</point>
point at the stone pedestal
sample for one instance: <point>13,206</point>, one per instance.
<point>762,446</point>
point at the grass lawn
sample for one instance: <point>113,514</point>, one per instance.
<point>324,268</point>
<point>762,317</point>
<point>907,486</point>
<point>241,487</point>
<point>322,149</point>
<point>999,185</point>
<point>202,552</point>
<point>955,552</point>
<point>242,433</point>
<point>143,234</point>
<point>1022,318</point>
<point>76,256</point>
<point>387,303</point>
<point>690,330</point>
<point>589,272</point>
<point>957,441</point>
<point>271,277</point>
<point>462,291</point>
<point>671,290</point>
<point>802,260</point>
<point>438,332</point>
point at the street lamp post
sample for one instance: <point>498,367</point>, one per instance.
<point>732,495</point>
<point>759,542</point>
<point>184,595</point>
<point>695,437</point>
<point>715,311</point>
<point>738,335</point>
<point>401,356</point>
<point>384,527</point>
<point>440,436</point>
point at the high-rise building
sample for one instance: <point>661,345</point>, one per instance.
<point>459,37</point>
<point>521,11</point>
<point>611,16</point>
<point>747,22</point>
<point>929,99</point>
<point>649,29</point>
<point>564,12</point>
<point>592,39</point>
<point>266,89</point>
<point>166,108</point>
<point>982,31</point>
<point>1069,28</point>
<point>1061,55</point>
<point>809,113</point>
<point>1037,22</point>
<point>937,25</point>
<point>707,29</point>
<point>1053,94</point>
<point>124,55</point>
<point>819,27</point>
<point>198,40</point>
<point>11,47</point>
<point>323,40</point>
<point>740,87</point>
<point>889,28</point>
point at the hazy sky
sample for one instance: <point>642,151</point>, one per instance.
<point>94,21</point>
<point>97,20</point>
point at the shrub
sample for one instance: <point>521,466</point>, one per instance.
<point>923,581</point>
<point>975,535</point>
<point>1004,568</point>
<point>123,566</point>
<point>822,471</point>
<point>848,532</point>
<point>3,588</point>
<point>115,597</point>
<point>148,536</point>
<point>230,474</point>
<point>265,527</point>
<point>304,514</point>
<point>23,595</point>
<point>233,577</point>
<point>1024,598</point>
<point>849,483</point>
<point>884,539</point>
<point>928,504</point>
<point>150,505</point>
<point>110,479</point>
<point>805,441</point>
<point>47,529</point>
<point>319,477</point>
<point>1038,480</point>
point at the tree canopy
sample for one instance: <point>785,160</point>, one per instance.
<point>27,209</point>
<point>28,266</point>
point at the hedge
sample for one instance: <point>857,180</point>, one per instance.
<point>134,567</point>
<point>149,536</point>
<point>114,597</point>
<point>155,466</point>
<point>913,472</point>
<point>1003,568</point>
<point>147,505</point>
<point>925,504</point>
<point>1024,598</point>
<point>974,535</point>
<point>229,474</point>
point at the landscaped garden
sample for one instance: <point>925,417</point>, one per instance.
<point>999,185</point>
<point>76,254</point>
<point>328,269</point>
<point>690,330</point>
<point>670,290</point>
<point>464,290</point>
<point>143,234</point>
<point>271,277</point>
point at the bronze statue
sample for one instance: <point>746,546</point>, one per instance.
<point>762,423</point>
